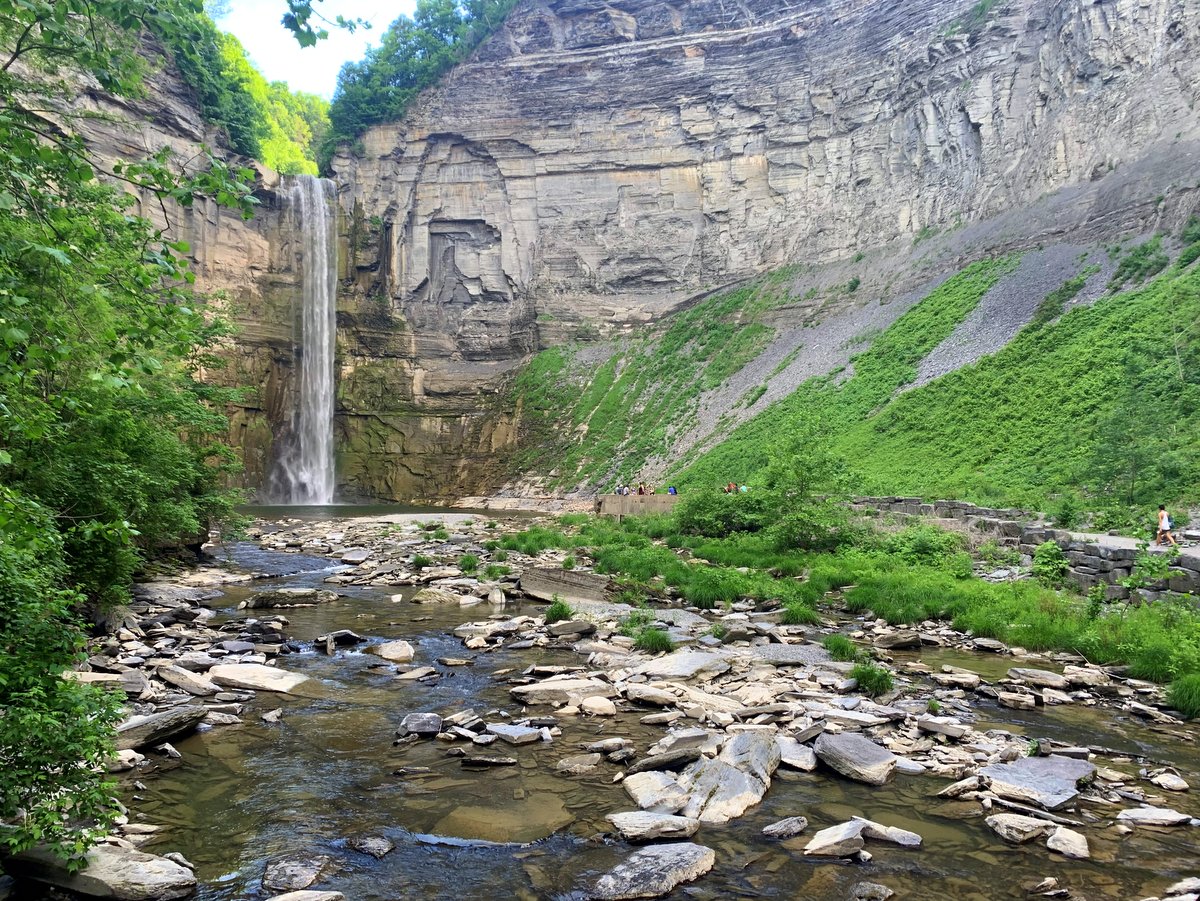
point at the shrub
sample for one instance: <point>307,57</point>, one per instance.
<point>568,562</point>
<point>872,680</point>
<point>500,556</point>
<point>441,534</point>
<point>420,561</point>
<point>933,707</point>
<point>994,555</point>
<point>468,563</point>
<point>1050,565</point>
<point>718,631</point>
<point>715,514</point>
<point>709,587</point>
<point>797,613</point>
<point>1184,695</point>
<point>1067,514</point>
<point>925,544</point>
<point>558,610</point>
<point>495,571</point>
<point>840,647</point>
<point>653,641</point>
<point>637,620</point>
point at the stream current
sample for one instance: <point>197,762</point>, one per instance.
<point>242,795</point>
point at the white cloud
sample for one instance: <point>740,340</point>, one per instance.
<point>273,49</point>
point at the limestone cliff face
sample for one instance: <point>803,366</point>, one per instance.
<point>250,265</point>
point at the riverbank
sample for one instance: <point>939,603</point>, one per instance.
<point>516,730</point>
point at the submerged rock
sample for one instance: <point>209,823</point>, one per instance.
<point>1017,829</point>
<point>376,845</point>
<point>1153,816</point>
<point>293,872</point>
<point>1049,782</point>
<point>654,871</point>
<point>255,676</point>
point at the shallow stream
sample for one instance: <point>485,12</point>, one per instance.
<point>324,773</point>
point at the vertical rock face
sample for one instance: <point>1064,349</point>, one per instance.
<point>597,163</point>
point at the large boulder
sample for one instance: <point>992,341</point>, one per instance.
<point>856,757</point>
<point>394,651</point>
<point>140,731</point>
<point>654,871</point>
<point>111,872</point>
<point>754,753</point>
<point>719,792</point>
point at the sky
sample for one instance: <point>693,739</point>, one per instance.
<point>274,50</point>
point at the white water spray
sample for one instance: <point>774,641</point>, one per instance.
<point>304,474</point>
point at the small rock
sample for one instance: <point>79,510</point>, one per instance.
<point>426,724</point>
<point>1170,781</point>
<point>1153,816</point>
<point>376,845</point>
<point>597,706</point>
<point>514,735</point>
<point>1018,829</point>
<point>579,764</point>
<point>293,872</point>
<point>1069,843</point>
<point>395,651</point>
<point>786,828</point>
<point>870,891</point>
<point>643,826</point>
<point>654,871</point>
<point>841,840</point>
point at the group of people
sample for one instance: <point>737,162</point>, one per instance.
<point>735,488</point>
<point>642,488</point>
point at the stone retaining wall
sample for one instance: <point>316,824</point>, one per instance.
<point>1091,562</point>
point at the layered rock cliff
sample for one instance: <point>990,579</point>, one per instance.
<point>598,163</point>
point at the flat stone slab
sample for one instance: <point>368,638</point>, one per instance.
<point>643,826</point>
<point>111,872</point>
<point>1039,677</point>
<point>435,596</point>
<point>310,896</point>
<point>668,760</point>
<point>192,683</point>
<point>856,757</point>
<point>428,724</point>
<point>562,691</point>
<point>789,654</point>
<point>394,651</point>
<point>648,694</point>
<point>754,753</point>
<point>841,840</point>
<point>139,731</point>
<point>1153,816</point>
<point>795,755</point>
<point>1069,843</point>
<point>1049,782</point>
<point>255,676</point>
<point>514,735</point>
<point>654,871</point>
<point>1017,829</point>
<point>786,828</point>
<point>684,665</point>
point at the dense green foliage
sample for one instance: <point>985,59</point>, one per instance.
<point>107,441</point>
<point>559,610</point>
<point>872,680</point>
<point>413,54</point>
<point>265,121</point>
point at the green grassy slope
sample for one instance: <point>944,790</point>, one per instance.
<point>1101,405</point>
<point>1105,400</point>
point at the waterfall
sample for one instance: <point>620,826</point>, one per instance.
<point>304,472</point>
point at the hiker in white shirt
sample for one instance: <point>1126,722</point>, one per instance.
<point>1164,527</point>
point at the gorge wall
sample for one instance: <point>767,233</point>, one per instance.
<point>596,164</point>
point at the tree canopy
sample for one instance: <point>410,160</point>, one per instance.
<point>108,441</point>
<point>413,54</point>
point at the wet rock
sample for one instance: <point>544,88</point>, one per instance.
<point>355,555</point>
<point>943,725</point>
<point>870,891</point>
<point>1039,677</point>
<point>655,791</point>
<point>1049,782</point>
<point>597,706</point>
<point>1085,676</point>
<point>842,840</point>
<point>255,676</point>
<point>193,684</point>
<point>719,792</point>
<point>578,765</point>
<point>514,735</point>
<point>395,651</point>
<point>990,644</point>
<point>112,871</point>
<point>376,845</point>
<point>795,755</point>
<point>902,640</point>
<point>287,597</point>
<point>140,731</point>
<point>786,828</point>
<point>571,628</point>
<point>310,896</point>
<point>562,691</point>
<point>669,760</point>
<point>293,872</point>
<point>435,596</point>
<point>704,740</point>
<point>643,826</point>
<point>893,834</point>
<point>420,672</point>
<point>1153,816</point>
<point>1015,700</point>
<point>754,753</point>
<point>426,724</point>
<point>1170,781</point>
<point>654,871</point>
<point>1017,829</point>
<point>479,763</point>
<point>1068,843</point>
<point>856,757</point>
<point>341,638</point>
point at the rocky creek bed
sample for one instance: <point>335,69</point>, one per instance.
<point>314,713</point>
